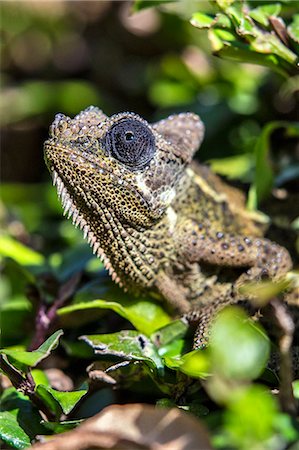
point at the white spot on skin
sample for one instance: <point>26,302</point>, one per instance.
<point>172,218</point>
<point>167,196</point>
<point>190,172</point>
<point>141,185</point>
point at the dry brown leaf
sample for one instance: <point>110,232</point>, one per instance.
<point>134,426</point>
<point>5,382</point>
<point>59,380</point>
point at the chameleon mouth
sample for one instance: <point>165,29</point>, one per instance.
<point>71,211</point>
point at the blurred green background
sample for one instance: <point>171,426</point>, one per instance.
<point>63,56</point>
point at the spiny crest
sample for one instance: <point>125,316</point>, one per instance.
<point>70,209</point>
<point>64,126</point>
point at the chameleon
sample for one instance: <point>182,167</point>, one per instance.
<point>160,222</point>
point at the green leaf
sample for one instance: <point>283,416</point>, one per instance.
<point>242,53</point>
<point>233,167</point>
<point>293,28</point>
<point>296,389</point>
<point>67,400</point>
<point>235,13</point>
<point>246,29</point>
<point>215,41</point>
<point>295,225</point>
<point>26,415</point>
<point>11,432</point>
<point>169,333</point>
<point>264,291</point>
<point>145,315</point>
<point>20,275</point>
<point>31,359</point>
<point>174,349</point>
<point>263,180</point>
<point>12,248</point>
<point>222,21</point>
<point>223,4</point>
<point>287,429</point>
<point>200,20</point>
<point>39,377</point>
<point>49,400</point>
<point>225,35</point>
<point>77,349</point>
<point>143,4</point>
<point>172,340</point>
<point>15,314</point>
<point>60,401</point>
<point>250,417</point>
<point>61,427</point>
<point>270,44</point>
<point>127,344</point>
<point>16,310</point>
<point>194,364</point>
<point>262,13</point>
<point>239,347</point>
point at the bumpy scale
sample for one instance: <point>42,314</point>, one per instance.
<point>159,222</point>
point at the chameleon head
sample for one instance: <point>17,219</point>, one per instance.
<point>120,164</point>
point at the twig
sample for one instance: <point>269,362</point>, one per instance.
<point>26,385</point>
<point>285,322</point>
<point>46,316</point>
<point>280,29</point>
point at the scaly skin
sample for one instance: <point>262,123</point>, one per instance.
<point>158,221</point>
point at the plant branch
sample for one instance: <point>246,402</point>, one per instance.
<point>286,325</point>
<point>26,385</point>
<point>46,315</point>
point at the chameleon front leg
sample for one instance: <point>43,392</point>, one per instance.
<point>203,245</point>
<point>197,243</point>
<point>201,318</point>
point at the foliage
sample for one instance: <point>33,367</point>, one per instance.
<point>115,348</point>
<point>256,35</point>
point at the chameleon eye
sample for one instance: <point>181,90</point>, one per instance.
<point>131,142</point>
<point>129,136</point>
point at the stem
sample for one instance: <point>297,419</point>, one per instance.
<point>26,385</point>
<point>285,322</point>
<point>46,316</point>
